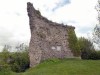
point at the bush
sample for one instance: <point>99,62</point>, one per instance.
<point>86,47</point>
<point>95,55</point>
<point>20,62</point>
<point>15,61</point>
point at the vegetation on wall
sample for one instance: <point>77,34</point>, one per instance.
<point>73,42</point>
<point>82,47</point>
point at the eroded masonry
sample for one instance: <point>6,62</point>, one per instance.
<point>48,39</point>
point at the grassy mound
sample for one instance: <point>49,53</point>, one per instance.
<point>64,67</point>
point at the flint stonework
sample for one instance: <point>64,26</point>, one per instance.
<point>48,39</point>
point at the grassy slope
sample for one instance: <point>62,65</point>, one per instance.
<point>65,67</point>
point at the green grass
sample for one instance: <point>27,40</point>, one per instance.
<point>64,67</point>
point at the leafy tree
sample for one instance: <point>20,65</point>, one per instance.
<point>86,47</point>
<point>20,61</point>
<point>4,58</point>
<point>96,32</point>
<point>5,54</point>
<point>95,55</point>
<point>15,61</point>
<point>96,35</point>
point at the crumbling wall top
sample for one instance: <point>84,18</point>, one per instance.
<point>32,12</point>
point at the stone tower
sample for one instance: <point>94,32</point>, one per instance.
<point>48,39</point>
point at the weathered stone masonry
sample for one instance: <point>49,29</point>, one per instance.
<point>48,39</point>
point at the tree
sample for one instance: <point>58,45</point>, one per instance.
<point>20,59</point>
<point>5,54</point>
<point>5,58</point>
<point>96,32</point>
<point>96,35</point>
<point>86,47</point>
<point>15,61</point>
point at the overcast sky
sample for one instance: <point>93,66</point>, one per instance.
<point>14,22</point>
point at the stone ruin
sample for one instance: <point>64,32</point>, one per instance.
<point>48,39</point>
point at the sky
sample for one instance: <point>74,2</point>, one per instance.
<point>14,21</point>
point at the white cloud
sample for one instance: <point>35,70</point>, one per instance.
<point>82,12</point>
<point>14,23</point>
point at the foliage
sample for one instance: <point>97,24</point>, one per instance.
<point>96,35</point>
<point>20,61</point>
<point>86,47</point>
<point>73,42</point>
<point>96,32</point>
<point>95,55</point>
<point>4,59</point>
<point>5,54</point>
<point>15,61</point>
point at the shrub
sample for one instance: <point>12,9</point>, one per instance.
<point>20,62</point>
<point>86,47</point>
<point>95,55</point>
<point>15,61</point>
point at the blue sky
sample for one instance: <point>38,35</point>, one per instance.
<point>14,22</point>
<point>60,3</point>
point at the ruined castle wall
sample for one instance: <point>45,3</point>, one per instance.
<point>48,39</point>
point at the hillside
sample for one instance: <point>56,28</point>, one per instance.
<point>63,67</point>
